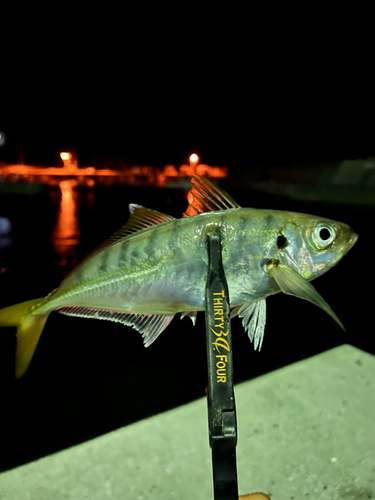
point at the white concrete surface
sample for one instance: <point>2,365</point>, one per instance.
<point>305,431</point>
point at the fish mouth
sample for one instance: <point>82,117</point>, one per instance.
<point>352,241</point>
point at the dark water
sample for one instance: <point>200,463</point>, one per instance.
<point>90,377</point>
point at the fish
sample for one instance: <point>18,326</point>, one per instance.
<point>155,267</point>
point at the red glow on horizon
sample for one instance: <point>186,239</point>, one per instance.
<point>91,176</point>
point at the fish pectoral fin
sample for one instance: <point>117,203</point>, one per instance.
<point>253,316</point>
<point>207,197</point>
<point>292,283</point>
<point>191,315</point>
<point>150,326</point>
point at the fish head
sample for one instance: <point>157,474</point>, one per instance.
<point>312,245</point>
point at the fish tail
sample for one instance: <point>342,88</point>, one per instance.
<point>29,328</point>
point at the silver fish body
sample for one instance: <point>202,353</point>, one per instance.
<point>162,270</point>
<point>156,267</point>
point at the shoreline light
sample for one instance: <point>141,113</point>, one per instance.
<point>65,156</point>
<point>194,158</point>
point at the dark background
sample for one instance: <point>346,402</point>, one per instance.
<point>244,106</point>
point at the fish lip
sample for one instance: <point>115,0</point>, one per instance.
<point>351,243</point>
<point>353,240</point>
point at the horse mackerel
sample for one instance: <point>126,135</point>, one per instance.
<point>156,266</point>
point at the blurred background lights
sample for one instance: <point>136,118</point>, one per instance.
<point>2,138</point>
<point>65,156</point>
<point>5,225</point>
<point>194,158</point>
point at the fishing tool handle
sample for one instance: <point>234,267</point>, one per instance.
<point>221,403</point>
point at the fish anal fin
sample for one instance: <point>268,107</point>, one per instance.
<point>207,197</point>
<point>253,316</point>
<point>150,326</point>
<point>234,311</point>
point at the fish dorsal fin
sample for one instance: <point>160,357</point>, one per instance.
<point>207,197</point>
<point>140,218</point>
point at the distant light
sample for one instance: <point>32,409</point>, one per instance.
<point>65,156</point>
<point>5,225</point>
<point>194,158</point>
<point>2,138</point>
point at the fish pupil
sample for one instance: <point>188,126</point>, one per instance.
<point>324,234</point>
<point>281,241</point>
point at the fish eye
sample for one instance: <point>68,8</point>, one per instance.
<point>324,235</point>
<point>281,241</point>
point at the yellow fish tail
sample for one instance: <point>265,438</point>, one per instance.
<point>29,328</point>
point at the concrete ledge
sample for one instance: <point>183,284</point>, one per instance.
<point>305,431</point>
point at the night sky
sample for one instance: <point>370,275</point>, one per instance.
<point>150,108</point>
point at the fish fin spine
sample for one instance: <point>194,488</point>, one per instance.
<point>140,218</point>
<point>207,197</point>
<point>150,326</point>
<point>192,315</point>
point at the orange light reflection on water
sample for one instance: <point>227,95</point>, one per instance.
<point>65,235</point>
